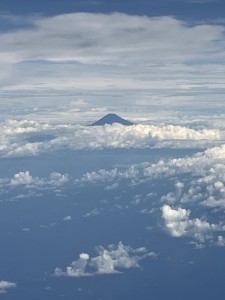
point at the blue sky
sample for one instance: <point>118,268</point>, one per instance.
<point>122,56</point>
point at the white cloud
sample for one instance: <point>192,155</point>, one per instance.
<point>115,51</point>
<point>55,179</point>
<point>112,259</point>
<point>67,218</point>
<point>178,224</point>
<point>22,178</point>
<point>76,268</point>
<point>207,167</point>
<point>112,186</point>
<point>221,241</point>
<point>176,221</point>
<point>5,285</point>
<point>201,183</point>
<point>108,38</point>
<point>24,126</point>
<point>94,212</point>
<point>27,138</point>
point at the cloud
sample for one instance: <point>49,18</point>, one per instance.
<point>55,179</point>
<point>67,218</point>
<point>194,182</point>
<point>24,126</point>
<point>221,241</point>
<point>116,52</point>
<point>207,167</point>
<point>112,186</point>
<point>94,212</point>
<point>22,178</point>
<point>110,260</point>
<point>5,285</point>
<point>108,38</point>
<point>76,268</point>
<point>178,224</point>
<point>28,138</point>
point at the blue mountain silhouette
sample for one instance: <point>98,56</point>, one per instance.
<point>110,119</point>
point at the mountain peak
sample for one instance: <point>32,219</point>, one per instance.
<point>110,119</point>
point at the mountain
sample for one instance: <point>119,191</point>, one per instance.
<point>110,119</point>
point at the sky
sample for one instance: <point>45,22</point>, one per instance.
<point>87,208</point>
<point>122,56</point>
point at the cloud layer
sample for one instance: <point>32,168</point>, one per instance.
<point>161,58</point>
<point>27,137</point>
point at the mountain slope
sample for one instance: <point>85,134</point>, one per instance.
<point>110,119</point>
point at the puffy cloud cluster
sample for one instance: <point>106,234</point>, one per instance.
<point>109,175</point>
<point>19,138</point>
<point>178,224</point>
<point>5,285</point>
<point>208,166</point>
<point>26,179</point>
<point>22,178</point>
<point>112,259</point>
<point>206,185</point>
<point>136,136</point>
<point>12,127</point>
<point>197,181</point>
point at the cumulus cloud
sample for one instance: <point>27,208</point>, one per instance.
<point>27,138</point>
<point>206,166</point>
<point>178,224</point>
<point>194,181</point>
<point>76,268</point>
<point>22,178</point>
<point>55,179</point>
<point>110,260</point>
<point>23,126</point>
<point>5,285</point>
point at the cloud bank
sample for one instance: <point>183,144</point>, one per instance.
<point>27,138</point>
<point>114,52</point>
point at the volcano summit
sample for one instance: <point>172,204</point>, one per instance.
<point>110,119</point>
